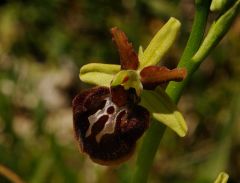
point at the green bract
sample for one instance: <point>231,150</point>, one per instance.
<point>157,102</point>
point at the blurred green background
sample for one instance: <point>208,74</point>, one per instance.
<point>43,43</point>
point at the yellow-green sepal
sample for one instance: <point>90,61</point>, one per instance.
<point>160,44</point>
<point>164,110</point>
<point>98,74</point>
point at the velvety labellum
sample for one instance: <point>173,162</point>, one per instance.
<point>105,128</point>
<point>110,111</point>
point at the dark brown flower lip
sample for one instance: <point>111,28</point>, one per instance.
<point>115,162</point>
<point>122,97</point>
<point>112,143</point>
<point>86,97</point>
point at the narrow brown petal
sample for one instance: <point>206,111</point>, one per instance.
<point>128,57</point>
<point>153,76</point>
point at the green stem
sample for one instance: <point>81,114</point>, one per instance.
<point>153,136</point>
<point>174,89</point>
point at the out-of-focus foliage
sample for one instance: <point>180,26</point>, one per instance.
<point>43,43</point>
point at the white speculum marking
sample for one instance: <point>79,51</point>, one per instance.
<point>109,126</point>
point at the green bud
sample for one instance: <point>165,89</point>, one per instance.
<point>160,44</point>
<point>98,74</point>
<point>164,110</point>
<point>218,5</point>
<point>222,178</point>
<point>216,32</point>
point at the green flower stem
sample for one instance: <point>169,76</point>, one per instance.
<point>174,89</point>
<point>153,136</point>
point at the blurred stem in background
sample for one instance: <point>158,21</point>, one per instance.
<point>10,175</point>
<point>218,159</point>
<point>192,57</point>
